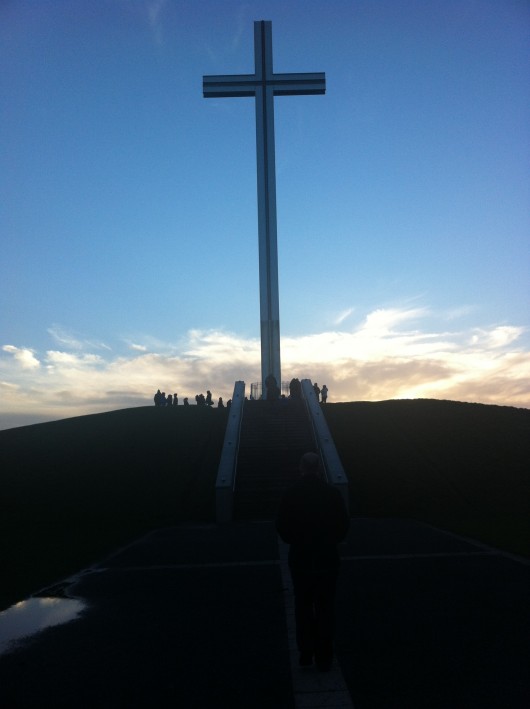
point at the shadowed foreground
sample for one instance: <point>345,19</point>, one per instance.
<point>195,616</point>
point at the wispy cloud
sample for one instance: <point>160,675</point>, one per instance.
<point>390,354</point>
<point>242,25</point>
<point>342,316</point>
<point>154,13</point>
<point>460,312</point>
<point>74,341</point>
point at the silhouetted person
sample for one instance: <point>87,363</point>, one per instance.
<point>313,519</point>
<point>295,389</point>
<point>273,390</point>
<point>228,404</point>
<point>175,400</point>
<point>157,397</point>
<point>220,404</point>
<point>163,400</point>
<point>316,389</point>
<point>209,401</point>
<point>324,393</point>
<point>186,402</point>
<point>169,401</point>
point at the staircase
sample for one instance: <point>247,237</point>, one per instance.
<point>274,436</point>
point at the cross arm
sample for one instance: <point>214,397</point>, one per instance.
<point>296,84</point>
<point>229,85</point>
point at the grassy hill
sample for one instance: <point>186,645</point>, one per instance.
<point>462,467</point>
<point>72,490</point>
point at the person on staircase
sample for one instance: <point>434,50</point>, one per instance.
<point>313,519</point>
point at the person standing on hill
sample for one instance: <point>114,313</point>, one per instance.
<point>313,519</point>
<point>272,388</point>
<point>324,393</point>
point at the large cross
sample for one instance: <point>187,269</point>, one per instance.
<point>263,85</point>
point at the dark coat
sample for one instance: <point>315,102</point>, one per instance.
<point>313,519</point>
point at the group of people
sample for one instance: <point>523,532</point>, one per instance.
<point>207,400</point>
<point>272,392</point>
<point>161,399</point>
<point>321,392</point>
<point>295,390</point>
<point>170,400</point>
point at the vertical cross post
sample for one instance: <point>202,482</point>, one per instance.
<point>263,85</point>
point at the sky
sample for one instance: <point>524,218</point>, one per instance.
<point>128,210</point>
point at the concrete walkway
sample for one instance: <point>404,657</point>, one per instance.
<point>201,616</point>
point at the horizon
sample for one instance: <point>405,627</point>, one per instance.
<point>193,403</point>
<point>129,227</point>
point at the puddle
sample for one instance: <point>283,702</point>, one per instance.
<point>29,617</point>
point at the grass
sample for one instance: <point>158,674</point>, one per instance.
<point>71,491</point>
<point>462,467</point>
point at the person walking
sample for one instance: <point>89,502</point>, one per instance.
<point>313,519</point>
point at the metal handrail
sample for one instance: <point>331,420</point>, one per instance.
<point>326,446</point>
<point>226,472</point>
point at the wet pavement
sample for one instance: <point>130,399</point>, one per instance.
<point>195,616</point>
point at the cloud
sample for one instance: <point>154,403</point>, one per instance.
<point>72,340</point>
<point>63,337</point>
<point>341,317</point>
<point>242,25</point>
<point>498,336</point>
<point>391,353</point>
<point>154,13</point>
<point>23,356</point>
<point>63,359</point>
<point>459,312</point>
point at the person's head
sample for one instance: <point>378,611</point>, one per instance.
<point>310,465</point>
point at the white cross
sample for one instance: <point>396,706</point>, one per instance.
<point>263,85</point>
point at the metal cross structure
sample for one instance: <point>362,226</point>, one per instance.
<point>263,85</point>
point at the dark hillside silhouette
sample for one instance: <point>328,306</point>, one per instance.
<point>72,490</point>
<point>464,467</point>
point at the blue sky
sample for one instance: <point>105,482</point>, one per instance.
<point>128,215</point>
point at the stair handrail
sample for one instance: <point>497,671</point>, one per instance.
<point>226,472</point>
<point>324,441</point>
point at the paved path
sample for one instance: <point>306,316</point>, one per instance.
<point>201,616</point>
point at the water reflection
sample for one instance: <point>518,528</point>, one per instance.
<point>33,615</point>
